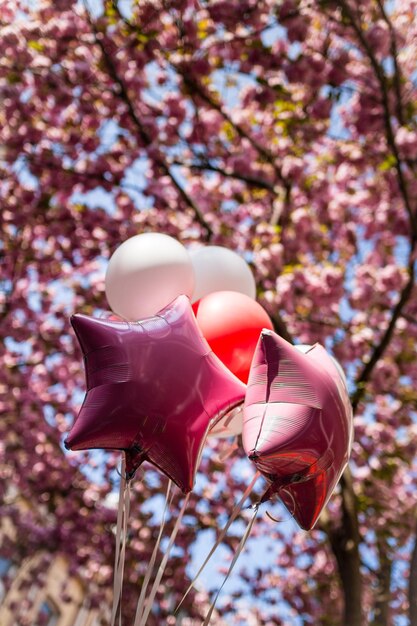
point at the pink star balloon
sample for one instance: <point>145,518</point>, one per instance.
<point>297,424</point>
<point>154,388</point>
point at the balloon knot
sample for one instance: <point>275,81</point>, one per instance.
<point>130,475</point>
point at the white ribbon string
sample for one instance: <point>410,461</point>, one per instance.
<point>119,523</point>
<point>123,549</point>
<point>223,456</point>
<point>120,541</point>
<point>232,564</point>
<point>142,597</point>
<point>162,566</point>
<point>235,512</point>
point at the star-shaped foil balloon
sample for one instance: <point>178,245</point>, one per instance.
<point>154,388</point>
<point>297,424</point>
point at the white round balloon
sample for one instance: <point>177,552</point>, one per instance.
<point>219,269</point>
<point>146,273</point>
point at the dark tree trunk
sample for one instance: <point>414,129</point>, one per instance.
<point>344,540</point>
<point>382,596</point>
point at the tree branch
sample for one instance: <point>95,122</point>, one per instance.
<point>389,132</point>
<point>192,85</point>
<point>344,540</point>
<point>195,87</point>
<point>281,328</point>
<point>366,372</point>
<point>394,54</point>
<point>383,593</point>
<point>146,140</point>
<point>227,173</point>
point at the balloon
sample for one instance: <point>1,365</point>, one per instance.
<point>154,388</point>
<point>303,347</point>
<point>231,323</point>
<point>219,269</point>
<point>297,424</point>
<point>146,273</point>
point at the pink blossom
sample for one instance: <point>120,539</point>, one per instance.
<point>406,140</point>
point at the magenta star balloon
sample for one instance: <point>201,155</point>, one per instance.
<point>154,388</point>
<point>297,424</point>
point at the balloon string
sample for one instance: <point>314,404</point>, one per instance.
<point>232,564</point>
<point>235,512</point>
<point>164,561</point>
<point>223,456</point>
<point>123,550</point>
<point>141,601</point>
<point>120,511</point>
<point>121,532</point>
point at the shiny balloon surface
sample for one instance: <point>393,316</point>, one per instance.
<point>154,388</point>
<point>297,425</point>
<point>231,322</point>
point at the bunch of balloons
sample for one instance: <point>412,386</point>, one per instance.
<point>148,271</point>
<point>172,364</point>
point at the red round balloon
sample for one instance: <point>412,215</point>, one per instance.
<point>231,323</point>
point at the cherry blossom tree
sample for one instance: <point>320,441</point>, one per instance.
<point>285,130</point>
